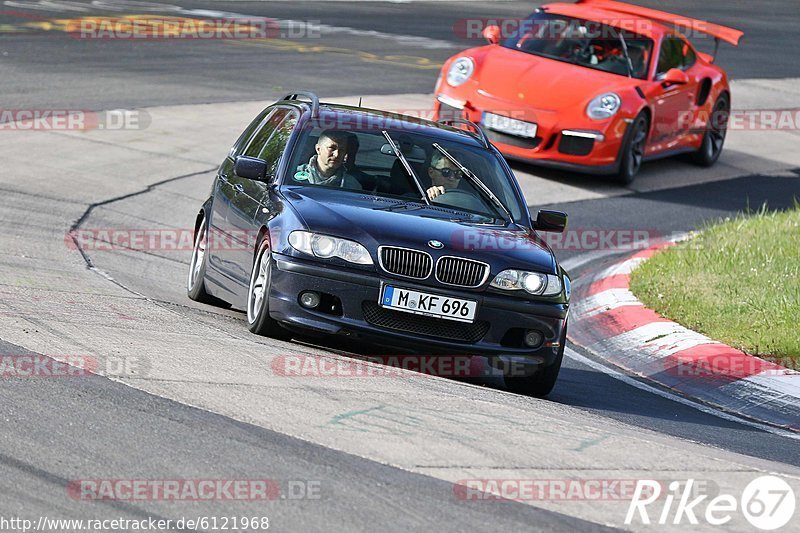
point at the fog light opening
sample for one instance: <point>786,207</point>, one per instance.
<point>533,338</point>
<point>309,299</point>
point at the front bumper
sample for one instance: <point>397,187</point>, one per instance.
<point>561,141</point>
<point>359,315</point>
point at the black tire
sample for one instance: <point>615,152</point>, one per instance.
<point>632,150</point>
<point>195,282</point>
<point>258,319</point>
<point>541,382</point>
<point>714,137</point>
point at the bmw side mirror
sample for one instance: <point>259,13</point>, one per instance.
<point>492,34</point>
<point>251,168</point>
<point>675,76</point>
<point>554,221</point>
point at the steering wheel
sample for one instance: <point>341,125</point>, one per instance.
<point>460,198</point>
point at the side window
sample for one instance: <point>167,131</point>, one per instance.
<point>237,147</point>
<point>671,56</point>
<point>271,153</point>
<point>689,57</point>
<point>261,137</point>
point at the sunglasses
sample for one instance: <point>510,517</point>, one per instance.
<point>448,172</point>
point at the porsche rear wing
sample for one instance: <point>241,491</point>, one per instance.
<point>729,35</point>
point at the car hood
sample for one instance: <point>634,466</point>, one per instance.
<point>362,217</point>
<point>543,83</point>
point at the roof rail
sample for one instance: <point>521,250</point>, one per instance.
<point>314,100</point>
<point>479,133</point>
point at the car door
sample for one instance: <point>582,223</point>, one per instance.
<point>219,256</point>
<point>250,195</point>
<point>671,103</point>
<point>226,241</point>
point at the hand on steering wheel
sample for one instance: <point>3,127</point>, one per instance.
<point>435,191</point>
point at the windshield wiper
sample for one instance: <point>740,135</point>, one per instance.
<point>628,63</point>
<point>482,188</point>
<point>407,166</point>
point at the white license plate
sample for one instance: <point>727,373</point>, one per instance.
<point>509,125</point>
<point>421,303</point>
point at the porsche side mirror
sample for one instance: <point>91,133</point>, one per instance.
<point>492,34</point>
<point>251,168</point>
<point>554,221</point>
<point>675,76</point>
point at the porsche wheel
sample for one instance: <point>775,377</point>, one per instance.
<point>258,319</point>
<point>632,151</point>
<point>714,136</point>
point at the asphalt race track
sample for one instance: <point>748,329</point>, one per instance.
<point>199,398</point>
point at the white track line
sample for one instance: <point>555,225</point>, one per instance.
<point>628,380</point>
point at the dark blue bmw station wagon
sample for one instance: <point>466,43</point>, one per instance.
<point>392,229</point>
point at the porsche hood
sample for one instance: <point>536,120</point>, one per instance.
<point>542,83</point>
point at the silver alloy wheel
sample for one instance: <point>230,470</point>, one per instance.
<point>198,255</point>
<point>259,281</point>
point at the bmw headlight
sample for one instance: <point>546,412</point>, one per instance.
<point>325,247</point>
<point>460,71</point>
<point>604,106</point>
<point>531,282</point>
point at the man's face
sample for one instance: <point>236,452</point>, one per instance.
<point>330,155</point>
<point>444,174</point>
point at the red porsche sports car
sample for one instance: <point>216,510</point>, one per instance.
<point>597,86</point>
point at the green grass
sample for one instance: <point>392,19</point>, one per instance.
<point>736,281</point>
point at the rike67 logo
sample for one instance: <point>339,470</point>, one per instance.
<point>767,502</point>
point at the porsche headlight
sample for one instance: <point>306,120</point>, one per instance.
<point>531,282</point>
<point>460,71</point>
<point>604,106</point>
<point>325,247</point>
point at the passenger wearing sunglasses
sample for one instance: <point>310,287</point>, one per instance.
<point>444,175</point>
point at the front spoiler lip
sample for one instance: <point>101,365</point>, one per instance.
<point>598,170</point>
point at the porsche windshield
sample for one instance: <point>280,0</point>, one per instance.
<point>583,42</point>
<point>365,161</point>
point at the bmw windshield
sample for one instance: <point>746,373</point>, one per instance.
<point>583,42</point>
<point>431,172</point>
